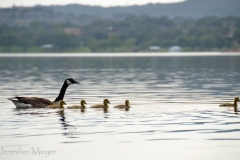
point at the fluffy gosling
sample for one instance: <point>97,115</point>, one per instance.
<point>104,105</point>
<point>54,106</point>
<point>82,106</point>
<point>123,106</point>
<point>236,99</point>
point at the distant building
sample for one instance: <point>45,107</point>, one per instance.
<point>174,49</point>
<point>154,48</point>
<point>46,46</point>
<point>110,28</point>
<point>74,31</point>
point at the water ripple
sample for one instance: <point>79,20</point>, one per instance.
<point>173,100</point>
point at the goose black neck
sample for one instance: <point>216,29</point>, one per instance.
<point>62,92</point>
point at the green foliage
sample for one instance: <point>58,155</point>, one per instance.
<point>7,40</point>
<point>128,35</point>
<point>113,41</point>
<point>129,43</point>
<point>93,44</point>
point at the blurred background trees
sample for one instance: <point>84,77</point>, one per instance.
<point>133,33</point>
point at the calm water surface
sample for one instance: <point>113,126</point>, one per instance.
<point>174,110</point>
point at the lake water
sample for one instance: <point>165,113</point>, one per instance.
<point>174,112</point>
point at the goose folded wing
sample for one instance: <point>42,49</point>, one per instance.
<point>35,101</point>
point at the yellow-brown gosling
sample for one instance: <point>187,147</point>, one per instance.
<point>82,106</point>
<point>236,99</point>
<point>54,106</point>
<point>104,105</point>
<point>123,106</point>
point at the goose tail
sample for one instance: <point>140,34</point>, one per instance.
<point>13,98</point>
<point>18,103</point>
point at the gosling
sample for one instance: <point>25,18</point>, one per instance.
<point>56,106</point>
<point>82,106</point>
<point>124,106</point>
<point>104,105</point>
<point>236,99</point>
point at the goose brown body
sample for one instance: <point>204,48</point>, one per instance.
<point>34,101</point>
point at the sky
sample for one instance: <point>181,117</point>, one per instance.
<point>104,3</point>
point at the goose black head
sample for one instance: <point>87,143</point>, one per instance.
<point>70,81</point>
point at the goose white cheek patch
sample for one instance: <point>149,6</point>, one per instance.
<point>68,82</point>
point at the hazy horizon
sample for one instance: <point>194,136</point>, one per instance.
<point>103,3</point>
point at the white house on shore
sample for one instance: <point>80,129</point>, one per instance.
<point>47,46</point>
<point>174,49</point>
<point>154,48</point>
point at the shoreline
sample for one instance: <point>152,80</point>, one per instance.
<point>132,54</point>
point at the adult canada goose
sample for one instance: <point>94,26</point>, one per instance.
<point>123,106</point>
<point>82,106</point>
<point>36,102</point>
<point>104,105</point>
<point>236,99</point>
<point>54,106</point>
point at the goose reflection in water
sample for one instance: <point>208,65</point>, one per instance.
<point>32,111</point>
<point>62,119</point>
<point>43,113</point>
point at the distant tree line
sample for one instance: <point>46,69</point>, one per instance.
<point>132,34</point>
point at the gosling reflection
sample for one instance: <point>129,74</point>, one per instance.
<point>236,110</point>
<point>127,109</point>
<point>62,119</point>
<point>83,110</point>
<point>105,110</point>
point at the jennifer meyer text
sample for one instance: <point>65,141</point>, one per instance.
<point>34,151</point>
